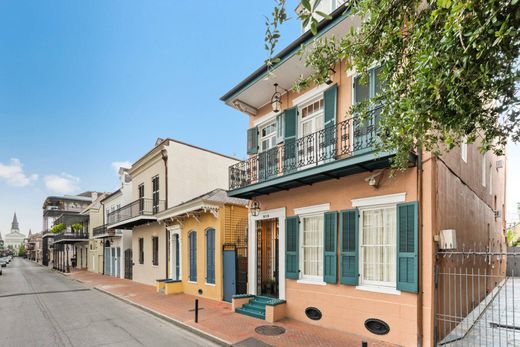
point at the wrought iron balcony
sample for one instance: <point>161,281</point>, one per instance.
<point>144,208</point>
<point>70,237</point>
<point>99,231</point>
<point>331,143</point>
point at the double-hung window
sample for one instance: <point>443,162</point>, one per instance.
<point>155,250</point>
<point>311,243</point>
<point>378,228</point>
<point>155,194</point>
<point>267,136</point>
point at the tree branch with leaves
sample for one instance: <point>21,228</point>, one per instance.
<point>450,69</point>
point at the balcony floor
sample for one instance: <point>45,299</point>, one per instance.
<point>132,222</point>
<point>365,162</point>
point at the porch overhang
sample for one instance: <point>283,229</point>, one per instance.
<point>133,222</point>
<point>256,90</point>
<point>366,162</point>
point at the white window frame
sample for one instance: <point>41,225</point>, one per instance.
<point>272,137</point>
<point>175,230</point>
<point>312,117</point>
<point>375,202</point>
<point>302,277</point>
<point>370,283</point>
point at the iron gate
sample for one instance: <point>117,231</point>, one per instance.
<point>475,300</point>
<point>128,264</point>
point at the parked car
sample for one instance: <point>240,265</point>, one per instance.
<point>3,263</point>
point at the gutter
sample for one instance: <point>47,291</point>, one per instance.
<point>164,154</point>
<point>420,250</point>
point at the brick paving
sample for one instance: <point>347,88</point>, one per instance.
<point>217,318</point>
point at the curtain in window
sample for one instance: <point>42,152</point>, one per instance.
<point>378,245</point>
<point>312,244</point>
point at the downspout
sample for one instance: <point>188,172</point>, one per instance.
<point>164,154</point>
<point>420,250</point>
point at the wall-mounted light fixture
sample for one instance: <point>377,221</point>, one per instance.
<point>254,207</point>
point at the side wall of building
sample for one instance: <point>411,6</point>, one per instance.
<point>148,273</point>
<point>193,172</point>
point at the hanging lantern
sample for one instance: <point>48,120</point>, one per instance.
<point>276,99</point>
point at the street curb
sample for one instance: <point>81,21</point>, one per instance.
<point>173,321</point>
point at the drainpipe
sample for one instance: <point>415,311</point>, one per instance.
<point>420,250</point>
<point>164,154</point>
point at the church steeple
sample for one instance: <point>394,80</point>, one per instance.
<point>14,224</point>
<point>30,233</point>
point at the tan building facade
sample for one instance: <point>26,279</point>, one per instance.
<point>171,173</point>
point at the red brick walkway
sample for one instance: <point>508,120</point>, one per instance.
<point>217,318</point>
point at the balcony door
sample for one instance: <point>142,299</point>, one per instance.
<point>311,139</point>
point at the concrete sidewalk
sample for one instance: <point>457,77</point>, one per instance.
<point>216,318</point>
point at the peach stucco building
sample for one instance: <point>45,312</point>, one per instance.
<point>334,238</point>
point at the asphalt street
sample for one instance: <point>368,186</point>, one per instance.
<point>39,307</point>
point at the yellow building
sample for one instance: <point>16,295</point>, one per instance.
<point>207,251</point>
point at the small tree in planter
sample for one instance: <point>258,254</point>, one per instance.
<point>58,228</point>
<point>77,227</point>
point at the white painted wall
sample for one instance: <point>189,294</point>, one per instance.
<point>193,172</point>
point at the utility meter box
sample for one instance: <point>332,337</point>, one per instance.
<point>448,239</point>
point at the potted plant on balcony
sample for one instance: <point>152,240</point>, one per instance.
<point>58,228</point>
<point>76,227</point>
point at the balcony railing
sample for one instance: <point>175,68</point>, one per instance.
<point>81,235</point>
<point>101,230</point>
<point>338,141</point>
<point>140,207</point>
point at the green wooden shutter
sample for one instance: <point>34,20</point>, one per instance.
<point>329,247</point>
<point>349,241</point>
<point>290,124</point>
<point>407,247</point>
<point>252,140</point>
<point>330,99</point>
<point>292,261</point>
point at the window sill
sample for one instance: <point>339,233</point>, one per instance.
<point>379,289</point>
<point>192,282</point>
<point>309,281</point>
<point>210,284</point>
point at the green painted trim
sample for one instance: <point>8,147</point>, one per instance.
<point>336,164</point>
<point>226,98</point>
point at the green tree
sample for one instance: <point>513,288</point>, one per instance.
<point>450,68</point>
<point>21,250</point>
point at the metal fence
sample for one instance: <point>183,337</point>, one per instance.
<point>476,302</point>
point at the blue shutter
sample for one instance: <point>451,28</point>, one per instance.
<point>407,247</point>
<point>193,256</point>
<point>210,256</point>
<point>329,247</point>
<point>349,241</point>
<point>252,140</point>
<point>292,261</point>
<point>290,125</point>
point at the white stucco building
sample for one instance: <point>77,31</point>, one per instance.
<point>14,238</point>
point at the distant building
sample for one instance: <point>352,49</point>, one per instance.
<point>14,239</point>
